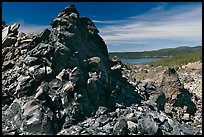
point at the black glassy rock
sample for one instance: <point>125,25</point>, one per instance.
<point>61,81</point>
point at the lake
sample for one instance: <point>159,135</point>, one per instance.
<point>140,60</point>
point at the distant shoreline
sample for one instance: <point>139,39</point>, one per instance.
<point>140,60</point>
<point>162,53</point>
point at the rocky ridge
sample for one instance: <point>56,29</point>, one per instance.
<point>61,81</point>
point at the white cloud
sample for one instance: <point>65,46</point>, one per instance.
<point>181,23</point>
<point>29,28</point>
<point>104,22</point>
<point>32,28</point>
<point>160,7</point>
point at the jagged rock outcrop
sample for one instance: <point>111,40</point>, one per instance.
<point>59,76</point>
<point>176,95</point>
<point>61,81</point>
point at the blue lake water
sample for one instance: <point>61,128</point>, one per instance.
<point>140,60</point>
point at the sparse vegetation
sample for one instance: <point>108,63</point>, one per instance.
<point>178,60</point>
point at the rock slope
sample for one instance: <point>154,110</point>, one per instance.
<point>61,81</point>
<point>182,89</point>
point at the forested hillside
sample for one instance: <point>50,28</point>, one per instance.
<point>158,53</point>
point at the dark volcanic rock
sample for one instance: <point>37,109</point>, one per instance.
<point>3,24</point>
<point>175,93</point>
<point>61,81</point>
<point>120,128</point>
<point>65,70</point>
<point>171,84</point>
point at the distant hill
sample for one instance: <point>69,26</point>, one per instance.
<point>157,53</point>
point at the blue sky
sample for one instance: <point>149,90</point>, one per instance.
<point>124,26</point>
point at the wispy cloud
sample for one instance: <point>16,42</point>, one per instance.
<point>161,6</point>
<point>177,25</point>
<point>29,28</point>
<point>105,22</point>
<point>32,28</point>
